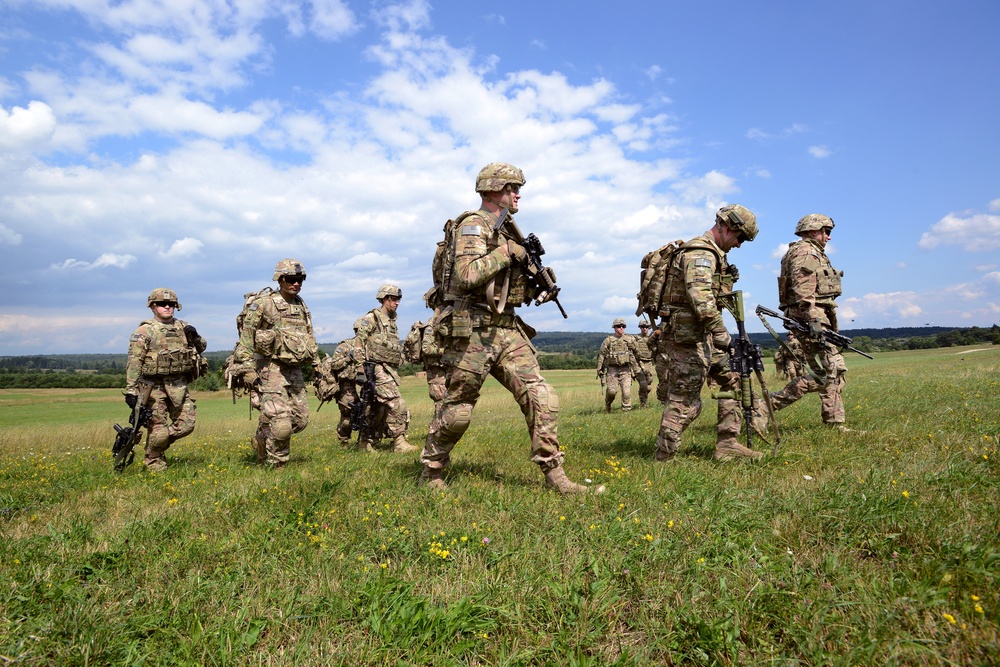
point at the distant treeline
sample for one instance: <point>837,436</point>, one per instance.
<point>558,350</point>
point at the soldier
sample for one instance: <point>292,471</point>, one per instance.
<point>165,352</point>
<point>645,347</point>
<point>377,339</point>
<point>483,279</point>
<point>617,365</point>
<point>787,365</point>
<point>276,340</point>
<point>338,374</point>
<point>695,340</point>
<point>807,289</point>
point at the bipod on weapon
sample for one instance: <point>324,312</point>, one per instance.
<point>746,360</point>
<point>123,448</point>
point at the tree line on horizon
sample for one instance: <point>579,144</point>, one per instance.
<point>559,350</point>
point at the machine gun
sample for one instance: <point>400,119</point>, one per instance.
<point>129,436</point>
<point>747,360</point>
<point>364,419</point>
<point>800,327</point>
<point>541,277</point>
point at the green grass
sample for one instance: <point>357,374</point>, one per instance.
<point>880,546</point>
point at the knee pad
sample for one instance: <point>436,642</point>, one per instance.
<point>457,419</point>
<point>281,428</point>
<point>159,439</point>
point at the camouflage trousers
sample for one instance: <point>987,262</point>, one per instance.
<point>645,378</point>
<point>507,355</point>
<point>347,393</point>
<point>618,378</point>
<point>690,367</point>
<point>437,381</point>
<point>830,390</point>
<point>662,365</point>
<point>284,410</point>
<point>173,415</point>
<point>393,414</point>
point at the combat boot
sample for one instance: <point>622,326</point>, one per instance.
<point>363,445</point>
<point>401,446</point>
<point>727,450</point>
<point>556,478</point>
<point>433,478</point>
<point>156,465</point>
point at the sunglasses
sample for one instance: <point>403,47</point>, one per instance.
<point>619,326</point>
<point>513,187</point>
<point>164,304</point>
<point>298,278</point>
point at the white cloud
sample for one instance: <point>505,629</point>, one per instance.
<point>974,232</point>
<point>619,305</point>
<point>22,128</point>
<point>185,247</point>
<point>105,260</point>
<point>820,152</point>
<point>8,236</point>
<point>654,72</point>
<point>333,19</point>
<point>758,134</point>
<point>780,251</point>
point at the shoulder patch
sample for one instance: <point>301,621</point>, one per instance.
<point>471,230</point>
<point>703,261</point>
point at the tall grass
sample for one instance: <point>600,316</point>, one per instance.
<point>878,546</point>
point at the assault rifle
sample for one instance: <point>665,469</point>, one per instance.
<point>363,417</point>
<point>129,436</point>
<point>800,327</point>
<point>746,359</point>
<point>541,277</point>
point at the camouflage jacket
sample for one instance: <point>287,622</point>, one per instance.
<point>643,351</point>
<point>481,256</point>
<point>158,349</point>
<point>377,338</point>
<point>618,351</point>
<point>698,274</point>
<point>277,330</point>
<point>808,283</point>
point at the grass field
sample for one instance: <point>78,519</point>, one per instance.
<point>875,547</point>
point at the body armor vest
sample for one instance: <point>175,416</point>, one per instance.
<point>168,352</point>
<point>290,339</point>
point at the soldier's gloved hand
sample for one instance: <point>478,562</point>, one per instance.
<point>815,329</point>
<point>734,272</point>
<point>250,378</point>
<point>517,252</point>
<point>721,339</point>
<point>131,400</point>
<point>190,332</point>
<point>720,364</point>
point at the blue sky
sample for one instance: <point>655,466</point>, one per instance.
<point>192,144</point>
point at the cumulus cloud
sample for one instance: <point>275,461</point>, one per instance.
<point>333,19</point>
<point>974,232</point>
<point>619,305</point>
<point>185,247</point>
<point>23,128</point>
<point>779,251</point>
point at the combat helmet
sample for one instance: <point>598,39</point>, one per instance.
<point>740,219</point>
<point>643,323</point>
<point>619,321</point>
<point>162,294</point>
<point>289,267</point>
<point>494,176</point>
<point>813,222</point>
<point>388,290</point>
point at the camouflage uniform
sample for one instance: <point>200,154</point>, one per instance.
<point>788,366</point>
<point>807,288</point>
<point>617,365</point>
<point>481,335</point>
<point>163,355</point>
<point>645,348</point>
<point>276,340</point>
<point>377,339</point>
<point>342,366</point>
<point>695,344</point>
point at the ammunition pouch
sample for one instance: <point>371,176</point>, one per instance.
<point>170,362</point>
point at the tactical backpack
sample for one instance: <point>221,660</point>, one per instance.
<point>443,262</point>
<point>653,279</point>
<point>235,380</point>
<point>413,344</point>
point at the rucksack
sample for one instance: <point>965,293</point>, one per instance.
<point>413,344</point>
<point>248,299</point>
<point>235,380</point>
<point>443,262</point>
<point>653,279</point>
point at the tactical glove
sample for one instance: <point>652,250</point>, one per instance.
<point>190,332</point>
<point>517,252</point>
<point>734,272</point>
<point>815,329</point>
<point>250,378</point>
<point>721,339</point>
<point>131,400</point>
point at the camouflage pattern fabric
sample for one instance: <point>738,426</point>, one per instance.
<point>645,347</point>
<point>164,345</point>
<point>276,340</point>
<point>347,394</point>
<point>618,378</point>
<point>808,286</point>
<point>506,354</point>
<point>377,338</point>
<point>789,366</point>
